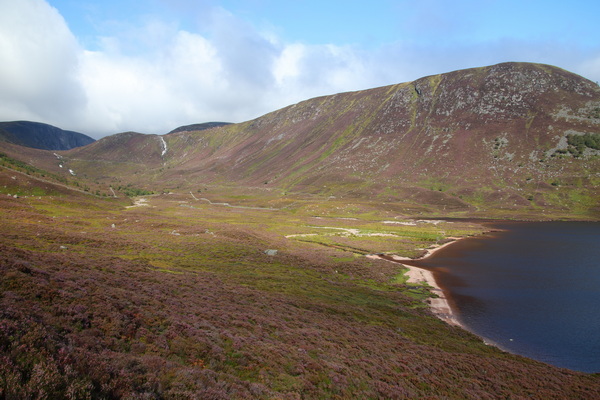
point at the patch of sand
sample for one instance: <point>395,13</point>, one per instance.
<point>439,305</point>
<point>139,202</point>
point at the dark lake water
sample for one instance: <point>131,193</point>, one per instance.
<point>533,289</point>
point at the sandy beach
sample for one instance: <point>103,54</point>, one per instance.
<point>439,305</point>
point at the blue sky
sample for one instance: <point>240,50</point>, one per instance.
<point>102,67</point>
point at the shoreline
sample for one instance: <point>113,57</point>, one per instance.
<point>440,306</point>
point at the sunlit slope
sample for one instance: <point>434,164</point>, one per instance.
<point>497,136</point>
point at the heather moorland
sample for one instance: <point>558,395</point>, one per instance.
<point>230,262</point>
<point>169,296</point>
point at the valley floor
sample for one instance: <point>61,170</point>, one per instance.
<point>178,298</point>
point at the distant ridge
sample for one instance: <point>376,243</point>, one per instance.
<point>41,136</point>
<point>199,127</point>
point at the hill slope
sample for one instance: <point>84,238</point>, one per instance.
<point>41,136</point>
<point>493,137</point>
<point>494,127</point>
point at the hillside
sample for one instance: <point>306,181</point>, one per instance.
<point>494,139</point>
<point>177,298</point>
<point>41,136</point>
<point>245,275</point>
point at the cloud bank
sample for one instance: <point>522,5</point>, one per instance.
<point>155,76</point>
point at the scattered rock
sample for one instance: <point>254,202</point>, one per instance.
<point>23,266</point>
<point>271,252</point>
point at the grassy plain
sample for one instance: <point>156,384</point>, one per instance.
<point>175,297</point>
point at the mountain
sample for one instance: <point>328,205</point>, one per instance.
<point>503,136</point>
<point>41,136</point>
<point>251,271</point>
<point>198,127</point>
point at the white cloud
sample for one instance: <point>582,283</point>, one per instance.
<point>301,71</point>
<point>234,75</point>
<point>155,76</point>
<point>590,68</point>
<point>38,58</point>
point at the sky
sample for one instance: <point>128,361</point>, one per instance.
<point>108,66</point>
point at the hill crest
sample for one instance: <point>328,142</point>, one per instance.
<point>41,136</point>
